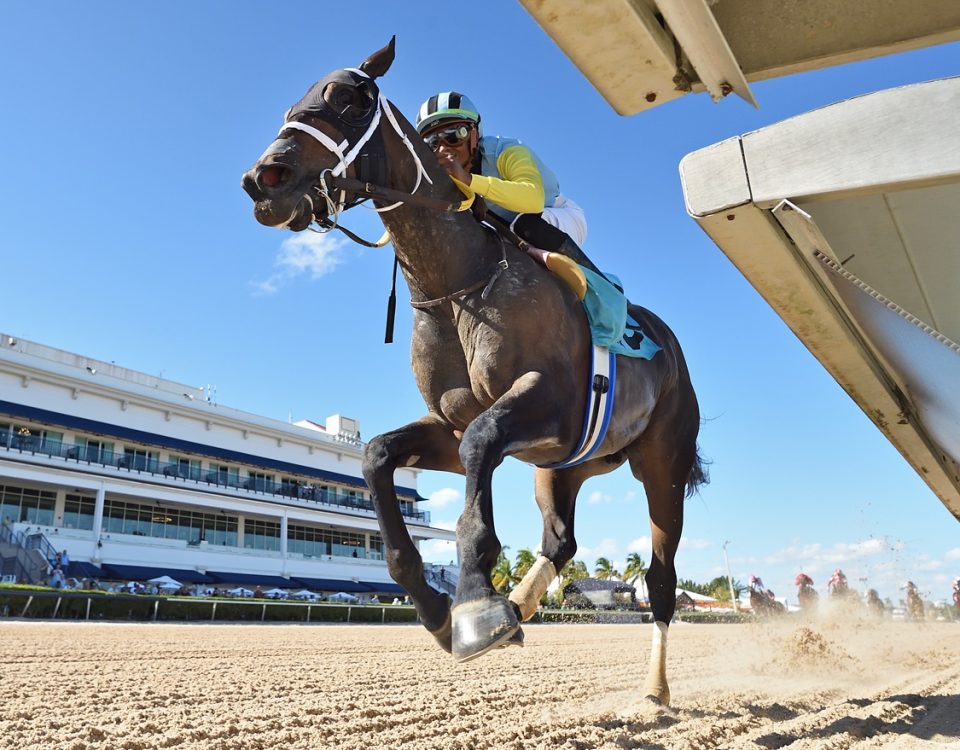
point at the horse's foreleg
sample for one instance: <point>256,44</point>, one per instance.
<point>556,494</point>
<point>427,444</point>
<point>482,619</point>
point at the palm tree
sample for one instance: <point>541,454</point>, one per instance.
<point>575,570</point>
<point>525,560</point>
<point>636,568</point>
<point>605,570</point>
<point>502,575</point>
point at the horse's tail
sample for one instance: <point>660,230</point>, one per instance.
<point>698,475</point>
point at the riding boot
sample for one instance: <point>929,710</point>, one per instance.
<point>570,248</point>
<point>563,267</point>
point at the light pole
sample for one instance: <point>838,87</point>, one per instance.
<point>733,594</point>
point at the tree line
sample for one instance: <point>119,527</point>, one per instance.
<point>507,574</point>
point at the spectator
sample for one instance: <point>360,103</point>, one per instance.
<point>396,600</point>
<point>258,593</point>
<point>64,560</point>
<point>375,599</point>
<point>56,578</point>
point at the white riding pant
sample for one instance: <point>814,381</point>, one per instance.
<point>568,217</point>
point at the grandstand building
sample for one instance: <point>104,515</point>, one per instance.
<point>137,477</point>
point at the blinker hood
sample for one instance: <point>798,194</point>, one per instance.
<point>352,120</point>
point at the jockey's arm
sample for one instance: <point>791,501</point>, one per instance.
<point>521,188</point>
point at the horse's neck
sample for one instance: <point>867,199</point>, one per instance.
<point>440,251</point>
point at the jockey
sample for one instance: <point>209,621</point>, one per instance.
<point>513,180</point>
<point>803,579</point>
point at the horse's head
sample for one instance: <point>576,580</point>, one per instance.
<point>322,135</point>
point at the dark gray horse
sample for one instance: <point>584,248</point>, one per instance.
<point>501,357</point>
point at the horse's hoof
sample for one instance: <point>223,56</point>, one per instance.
<point>482,625</point>
<point>659,700</point>
<point>443,634</point>
<point>514,640</point>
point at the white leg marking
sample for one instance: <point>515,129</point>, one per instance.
<point>533,586</point>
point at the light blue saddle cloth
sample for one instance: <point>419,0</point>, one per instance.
<point>611,326</point>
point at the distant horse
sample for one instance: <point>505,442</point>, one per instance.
<point>806,593</point>
<point>501,355</point>
<point>762,600</point>
<point>914,602</point>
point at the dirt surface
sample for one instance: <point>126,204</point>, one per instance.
<point>816,685</point>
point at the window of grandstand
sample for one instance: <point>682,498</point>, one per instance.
<point>259,481</point>
<point>78,512</point>
<point>164,522</point>
<point>261,535</point>
<point>94,451</point>
<point>228,476</point>
<point>5,435</point>
<point>185,468</point>
<point>28,438</point>
<point>139,459</point>
<point>27,505</point>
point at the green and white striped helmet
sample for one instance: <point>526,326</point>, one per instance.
<point>449,105</point>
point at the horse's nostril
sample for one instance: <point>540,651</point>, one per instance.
<point>271,176</point>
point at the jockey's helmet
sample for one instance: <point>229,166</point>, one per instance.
<point>447,105</point>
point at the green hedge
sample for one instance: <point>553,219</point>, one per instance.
<point>131,607</point>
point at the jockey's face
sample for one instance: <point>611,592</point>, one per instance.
<point>454,137</point>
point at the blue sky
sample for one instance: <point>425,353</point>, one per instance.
<point>124,235</point>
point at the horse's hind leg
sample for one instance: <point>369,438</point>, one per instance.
<point>427,444</point>
<point>664,471</point>
<point>556,494</point>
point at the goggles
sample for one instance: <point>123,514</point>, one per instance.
<point>453,135</point>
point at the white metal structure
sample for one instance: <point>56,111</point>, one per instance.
<point>845,220</point>
<point>641,53</point>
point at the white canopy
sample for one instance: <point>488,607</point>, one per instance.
<point>165,582</point>
<point>240,591</point>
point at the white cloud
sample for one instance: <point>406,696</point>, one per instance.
<point>596,497</point>
<point>438,550</point>
<point>641,544</point>
<point>693,543</point>
<point>305,253</point>
<point>953,554</point>
<point>607,547</point>
<point>442,498</point>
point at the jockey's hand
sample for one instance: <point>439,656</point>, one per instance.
<point>450,161</point>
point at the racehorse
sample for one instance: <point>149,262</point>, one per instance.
<point>806,593</point>
<point>763,601</point>
<point>500,353</point>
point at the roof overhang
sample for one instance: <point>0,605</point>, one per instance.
<point>845,220</point>
<point>641,53</point>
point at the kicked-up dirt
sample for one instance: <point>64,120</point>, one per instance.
<point>97,686</point>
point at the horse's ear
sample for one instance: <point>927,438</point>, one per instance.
<point>379,62</point>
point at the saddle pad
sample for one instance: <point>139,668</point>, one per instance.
<point>611,325</point>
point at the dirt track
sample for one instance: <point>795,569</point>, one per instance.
<point>132,687</point>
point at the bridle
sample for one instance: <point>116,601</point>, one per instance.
<point>333,185</point>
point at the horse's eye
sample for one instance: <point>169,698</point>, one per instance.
<point>344,97</point>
